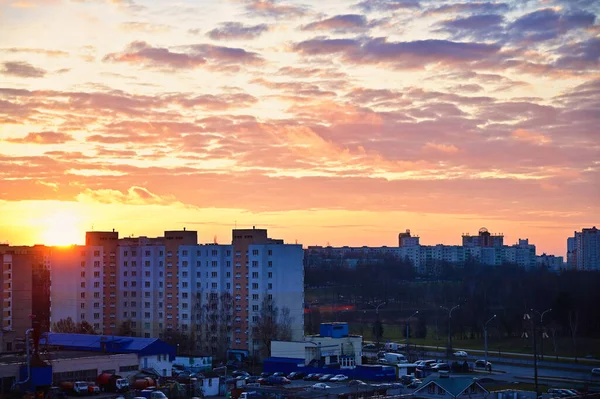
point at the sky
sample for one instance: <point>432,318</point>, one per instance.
<point>326,122</point>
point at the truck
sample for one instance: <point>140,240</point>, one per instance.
<point>144,383</point>
<point>393,358</point>
<point>78,388</point>
<point>112,383</point>
<point>152,394</point>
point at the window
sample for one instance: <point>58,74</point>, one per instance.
<point>270,252</point>
<point>125,263</point>
<point>255,252</point>
<point>147,253</point>
<point>147,263</point>
<point>228,275</point>
<point>184,274</point>
<point>147,315</point>
<point>147,305</point>
<point>96,305</point>
<point>96,295</point>
<point>82,305</point>
<point>82,274</point>
<point>96,263</point>
<point>133,314</point>
<point>254,263</point>
<point>228,286</point>
<point>82,316</point>
<point>125,253</point>
<point>82,284</point>
<point>82,264</point>
<point>255,308</point>
<point>147,284</point>
<point>96,253</point>
<point>184,253</point>
<point>133,273</point>
<point>431,388</point>
<point>96,316</point>
<point>270,287</point>
<point>133,253</point>
<point>254,274</point>
<point>270,264</point>
<point>96,274</point>
<point>214,285</point>
<point>82,295</point>
<point>133,283</point>
<point>184,284</point>
<point>270,275</point>
<point>254,286</point>
<point>124,283</point>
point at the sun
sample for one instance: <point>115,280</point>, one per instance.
<point>60,228</point>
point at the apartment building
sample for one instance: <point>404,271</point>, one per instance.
<point>584,249</point>
<point>25,293</point>
<point>210,292</point>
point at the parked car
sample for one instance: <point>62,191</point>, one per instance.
<point>407,379</point>
<point>296,375</point>
<point>482,363</point>
<point>326,377</point>
<point>354,383</point>
<point>277,380</point>
<point>461,354</point>
<point>308,377</point>
<point>316,377</point>
<point>252,379</point>
<point>279,374</point>
<point>596,371</point>
<point>441,367</point>
<point>339,378</point>
<point>265,374</point>
<point>415,384</point>
<point>262,381</point>
<point>238,373</point>
<point>320,385</point>
<point>369,346</point>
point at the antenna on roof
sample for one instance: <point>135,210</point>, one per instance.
<point>215,239</point>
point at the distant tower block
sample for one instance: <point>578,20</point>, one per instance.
<point>407,240</point>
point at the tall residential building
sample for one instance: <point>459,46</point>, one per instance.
<point>483,239</point>
<point>25,292</point>
<point>406,240</point>
<point>172,283</point>
<point>587,249</point>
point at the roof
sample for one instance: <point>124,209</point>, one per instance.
<point>453,385</point>
<point>290,360</point>
<point>17,358</point>
<point>110,344</point>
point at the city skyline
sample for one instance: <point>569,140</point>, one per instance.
<point>341,122</point>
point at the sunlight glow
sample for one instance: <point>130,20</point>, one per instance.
<point>61,228</point>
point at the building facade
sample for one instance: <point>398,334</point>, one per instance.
<point>584,249</point>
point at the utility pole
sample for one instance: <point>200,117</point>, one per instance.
<point>408,334</point>
<point>449,343</point>
<point>535,365</point>
<point>485,337</point>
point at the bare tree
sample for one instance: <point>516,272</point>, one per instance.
<point>573,325</point>
<point>266,327</point>
<point>125,329</point>
<point>284,332</point>
<point>65,326</point>
<point>215,327</point>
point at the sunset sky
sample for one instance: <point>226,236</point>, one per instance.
<point>340,122</point>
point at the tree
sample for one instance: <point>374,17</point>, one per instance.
<point>215,328</point>
<point>68,326</point>
<point>574,324</point>
<point>284,332</point>
<point>266,327</point>
<point>314,320</point>
<point>179,339</point>
<point>65,326</point>
<point>125,329</point>
<point>421,330</point>
<point>377,330</point>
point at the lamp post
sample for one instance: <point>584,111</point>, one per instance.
<point>485,335</point>
<point>542,326</point>
<point>408,333</point>
<point>377,318</point>
<point>449,344</point>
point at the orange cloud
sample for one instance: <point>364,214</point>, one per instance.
<point>134,196</point>
<point>530,137</point>
<point>450,149</point>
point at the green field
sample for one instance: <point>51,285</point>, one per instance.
<point>395,333</point>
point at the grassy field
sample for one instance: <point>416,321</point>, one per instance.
<point>395,333</point>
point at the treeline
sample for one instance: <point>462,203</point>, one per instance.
<point>481,291</point>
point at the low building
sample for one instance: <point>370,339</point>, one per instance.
<point>209,383</point>
<point>333,346</point>
<point>449,387</point>
<point>194,363</point>
<point>69,366</point>
<point>152,353</point>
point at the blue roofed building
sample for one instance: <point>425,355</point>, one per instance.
<point>152,353</point>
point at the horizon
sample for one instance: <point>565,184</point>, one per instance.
<point>342,122</point>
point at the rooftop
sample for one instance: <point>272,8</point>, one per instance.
<point>17,358</point>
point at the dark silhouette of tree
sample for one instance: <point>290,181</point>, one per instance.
<point>377,329</point>
<point>65,326</point>
<point>125,329</point>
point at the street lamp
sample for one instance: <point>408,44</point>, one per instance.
<point>485,335</point>
<point>542,325</point>
<point>449,344</point>
<point>377,320</point>
<point>408,332</point>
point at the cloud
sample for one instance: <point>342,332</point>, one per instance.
<point>388,5</point>
<point>197,55</point>
<point>399,55</point>
<point>474,7</point>
<point>338,23</point>
<point>134,196</point>
<point>449,149</point>
<point>42,138</point>
<point>547,24</point>
<point>50,53</point>
<point>237,31</point>
<point>275,9</point>
<point>22,69</point>
<point>143,54</point>
<point>480,26</point>
<point>580,55</point>
<point>530,137</point>
<point>144,27</point>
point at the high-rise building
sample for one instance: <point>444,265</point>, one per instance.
<point>25,292</point>
<point>586,251</point>
<point>210,292</point>
<point>483,239</point>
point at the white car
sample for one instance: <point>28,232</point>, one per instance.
<point>460,354</point>
<point>339,377</point>
<point>596,371</point>
<point>320,385</point>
